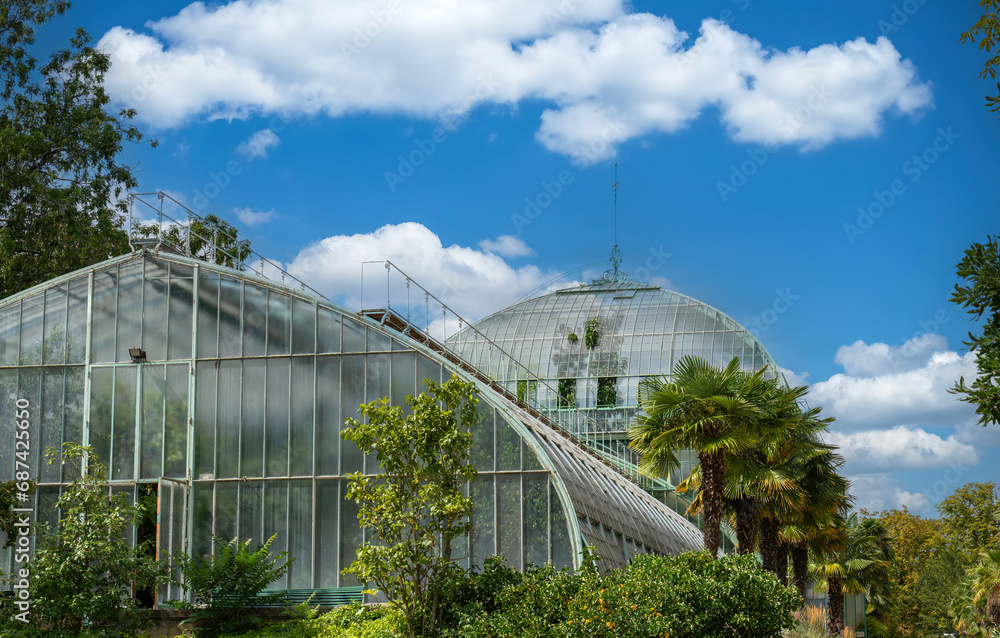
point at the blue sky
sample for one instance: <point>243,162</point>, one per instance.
<point>815,171</point>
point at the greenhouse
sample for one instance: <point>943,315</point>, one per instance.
<point>225,393</point>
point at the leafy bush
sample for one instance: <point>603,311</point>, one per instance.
<point>686,596</point>
<point>350,621</point>
<point>83,572</point>
<point>228,583</point>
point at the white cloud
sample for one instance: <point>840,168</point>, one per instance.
<point>472,282</point>
<point>507,246</point>
<point>252,217</point>
<point>886,386</point>
<point>257,144</point>
<point>608,76</point>
<point>877,493</point>
<point>899,449</point>
<point>795,379</point>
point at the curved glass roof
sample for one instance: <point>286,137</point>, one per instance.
<point>642,331</point>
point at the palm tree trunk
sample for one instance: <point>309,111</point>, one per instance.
<point>769,545</point>
<point>713,477</point>
<point>800,567</point>
<point>781,558</point>
<point>835,606</point>
<point>746,525</point>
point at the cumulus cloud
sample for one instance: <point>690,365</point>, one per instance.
<point>507,246</point>
<point>253,218</point>
<point>794,378</point>
<point>885,386</point>
<point>256,146</point>
<point>899,449</point>
<point>607,76</point>
<point>471,282</point>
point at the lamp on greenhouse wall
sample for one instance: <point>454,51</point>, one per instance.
<point>138,355</point>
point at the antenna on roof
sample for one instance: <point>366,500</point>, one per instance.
<point>614,274</point>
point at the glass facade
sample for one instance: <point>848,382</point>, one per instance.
<point>234,420</point>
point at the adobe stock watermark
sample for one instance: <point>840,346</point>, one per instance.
<point>426,147</point>
<point>22,545</point>
<point>900,15</point>
<point>366,33</point>
<point>945,485</point>
<point>913,168</point>
<point>786,127</point>
<point>151,80</point>
<point>783,301</point>
<point>655,260</point>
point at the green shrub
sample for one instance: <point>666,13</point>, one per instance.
<point>225,585</point>
<point>687,596</point>
<point>350,621</point>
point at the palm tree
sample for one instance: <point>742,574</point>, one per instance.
<point>861,567</point>
<point>702,408</point>
<point>986,584</point>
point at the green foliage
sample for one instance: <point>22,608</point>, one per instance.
<point>350,621</point>
<point>607,392</point>
<point>689,595</point>
<point>989,27</point>
<point>62,188</point>
<point>8,501</point>
<point>980,268</point>
<point>567,393</point>
<point>83,573</point>
<point>591,336</point>
<point>968,519</point>
<point>416,507</point>
<point>572,337</point>
<point>223,586</point>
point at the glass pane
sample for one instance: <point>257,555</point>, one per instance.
<point>301,426</point>
<point>201,520</point>
<point>206,379</point>
<point>175,420</point>
<point>254,321</point>
<point>154,311</point>
<point>377,340</point>
<point>276,522</point>
<point>105,320</point>
<point>328,331</point>
<point>300,529</point>
<point>31,329</point>
<point>376,387</point>
<point>252,432</point>
<point>562,550</point>
<point>228,416</point>
<point>52,413</point>
<point>30,389</point>
<point>508,448</point>
<point>129,309</point>
<point>483,536</point>
<point>482,451</point>
<point>536,518</point>
<point>76,329</point>
<point>404,378</point>
<point>327,527</point>
<point>102,382</point>
<point>354,336</point>
<point>427,369</point>
<point>350,536</point>
<point>181,307</point>
<point>509,518</point>
<point>303,327</point>
<point>8,405</point>
<point>10,334</point>
<point>54,349</point>
<point>208,315</point>
<point>151,451</point>
<point>226,501</point>
<point>328,419</point>
<point>73,420</point>
<point>252,510</point>
<point>352,396</point>
<point>123,438</point>
<point>276,444</point>
<point>278,319</point>
<point>230,317</point>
